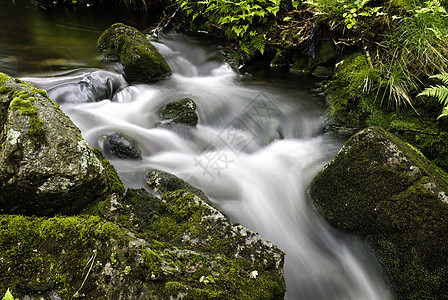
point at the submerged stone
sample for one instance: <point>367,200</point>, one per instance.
<point>141,61</point>
<point>88,87</point>
<point>46,166</point>
<point>381,188</point>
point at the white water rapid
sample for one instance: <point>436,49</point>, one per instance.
<point>254,152</point>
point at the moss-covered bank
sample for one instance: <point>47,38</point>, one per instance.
<point>384,190</point>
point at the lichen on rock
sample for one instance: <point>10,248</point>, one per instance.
<point>383,189</point>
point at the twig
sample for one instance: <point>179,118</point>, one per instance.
<point>344,128</point>
<point>92,259</point>
<point>414,131</point>
<point>161,28</point>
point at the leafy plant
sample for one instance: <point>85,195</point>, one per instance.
<point>415,49</point>
<point>241,20</point>
<point>8,296</point>
<point>439,92</point>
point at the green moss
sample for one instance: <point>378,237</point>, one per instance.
<point>23,103</point>
<point>183,205</point>
<point>186,241</point>
<point>174,288</point>
<point>4,78</point>
<point>152,263</point>
<point>115,183</point>
<point>41,255</point>
<point>349,102</point>
<point>5,89</point>
<point>37,134</point>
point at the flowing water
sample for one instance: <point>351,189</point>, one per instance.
<point>257,145</point>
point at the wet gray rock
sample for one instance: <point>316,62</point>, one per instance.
<point>117,145</point>
<point>46,165</point>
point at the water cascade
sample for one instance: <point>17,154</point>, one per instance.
<point>257,145</point>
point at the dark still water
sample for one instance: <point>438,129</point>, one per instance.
<point>260,182</point>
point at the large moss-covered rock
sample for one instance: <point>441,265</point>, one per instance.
<point>46,166</point>
<point>141,61</point>
<point>196,252</point>
<point>71,257</point>
<point>383,189</point>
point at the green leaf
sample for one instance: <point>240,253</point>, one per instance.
<point>442,77</point>
<point>237,30</point>
<point>273,9</point>
<point>440,93</point>
<point>8,296</point>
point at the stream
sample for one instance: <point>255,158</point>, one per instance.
<point>258,143</point>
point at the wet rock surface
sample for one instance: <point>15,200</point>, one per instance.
<point>117,145</point>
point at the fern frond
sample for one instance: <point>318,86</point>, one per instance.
<point>442,77</point>
<point>439,92</point>
<point>444,113</point>
<point>258,43</point>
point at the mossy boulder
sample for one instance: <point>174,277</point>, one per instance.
<point>381,188</point>
<point>46,165</point>
<point>182,111</point>
<point>196,252</point>
<point>141,61</point>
